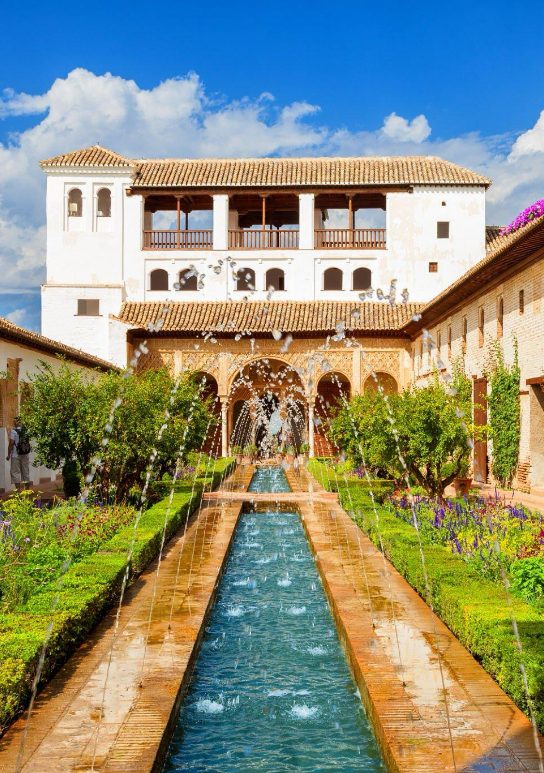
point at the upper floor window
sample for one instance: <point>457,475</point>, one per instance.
<point>443,229</point>
<point>438,344</point>
<point>245,279</point>
<point>275,279</point>
<point>75,203</point>
<point>500,316</point>
<point>188,280</point>
<point>88,307</point>
<point>332,279</point>
<point>521,300</point>
<point>433,267</point>
<point>158,279</point>
<point>103,203</point>
<point>449,341</point>
<point>361,279</point>
<point>464,335</point>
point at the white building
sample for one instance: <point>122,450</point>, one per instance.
<point>320,229</point>
<point>22,354</point>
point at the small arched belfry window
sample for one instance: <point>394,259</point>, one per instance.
<point>103,203</point>
<point>275,279</point>
<point>75,203</point>
<point>362,279</point>
<point>245,279</point>
<point>332,279</point>
<point>188,279</point>
<point>158,279</point>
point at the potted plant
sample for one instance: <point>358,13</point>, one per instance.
<point>237,451</point>
<point>289,454</point>
<point>463,481</point>
<point>304,450</point>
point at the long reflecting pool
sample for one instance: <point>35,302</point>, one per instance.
<point>272,690</point>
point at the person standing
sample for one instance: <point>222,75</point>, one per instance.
<point>18,453</point>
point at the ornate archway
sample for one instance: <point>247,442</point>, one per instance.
<point>267,406</point>
<point>333,389</point>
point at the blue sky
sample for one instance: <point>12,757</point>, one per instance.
<point>462,81</point>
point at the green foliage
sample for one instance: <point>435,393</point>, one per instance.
<point>474,608</point>
<point>154,414</point>
<point>421,427</point>
<point>89,588</point>
<point>504,414</point>
<point>528,577</point>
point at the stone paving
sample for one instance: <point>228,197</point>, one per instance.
<point>108,708</point>
<point>113,705</point>
<point>403,656</point>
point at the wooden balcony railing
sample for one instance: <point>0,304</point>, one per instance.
<point>350,238</point>
<point>272,239</point>
<point>178,240</point>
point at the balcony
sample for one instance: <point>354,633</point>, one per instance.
<point>194,239</point>
<point>263,239</point>
<point>350,238</point>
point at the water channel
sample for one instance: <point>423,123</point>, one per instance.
<point>271,689</point>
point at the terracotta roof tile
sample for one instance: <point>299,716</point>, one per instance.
<point>493,238</point>
<point>88,157</point>
<point>275,172</point>
<point>11,332</point>
<point>258,317</point>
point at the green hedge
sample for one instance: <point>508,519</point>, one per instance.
<point>324,471</point>
<point>88,590</point>
<point>474,608</point>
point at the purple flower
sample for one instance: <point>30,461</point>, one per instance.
<point>532,212</point>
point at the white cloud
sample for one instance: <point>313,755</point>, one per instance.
<point>395,127</point>
<point>178,118</point>
<point>17,316</point>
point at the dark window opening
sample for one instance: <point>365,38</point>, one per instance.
<point>433,267</point>
<point>362,279</point>
<point>443,230</point>
<point>332,279</point>
<point>88,308</point>
<point>158,279</point>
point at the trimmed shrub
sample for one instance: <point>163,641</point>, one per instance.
<point>477,610</point>
<point>87,590</point>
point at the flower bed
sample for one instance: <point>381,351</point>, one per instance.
<point>476,608</point>
<point>73,606</point>
<point>36,542</point>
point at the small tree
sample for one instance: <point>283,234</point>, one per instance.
<point>423,428</point>
<point>71,422</point>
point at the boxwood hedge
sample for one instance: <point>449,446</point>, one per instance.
<point>476,609</point>
<point>67,611</point>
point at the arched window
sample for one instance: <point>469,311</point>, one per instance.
<point>362,279</point>
<point>103,203</point>
<point>75,203</point>
<point>158,279</point>
<point>188,279</point>
<point>275,279</point>
<point>245,279</point>
<point>332,279</point>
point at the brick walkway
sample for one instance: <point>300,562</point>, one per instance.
<point>379,615</point>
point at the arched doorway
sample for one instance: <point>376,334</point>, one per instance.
<point>332,390</point>
<point>267,408</point>
<point>209,391</point>
<point>381,381</point>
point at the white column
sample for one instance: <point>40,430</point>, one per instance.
<point>306,206</point>
<point>220,221</point>
<point>311,452</point>
<point>224,428</point>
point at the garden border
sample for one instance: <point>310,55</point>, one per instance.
<point>475,609</point>
<point>89,588</point>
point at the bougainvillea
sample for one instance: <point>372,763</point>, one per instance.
<point>533,212</point>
